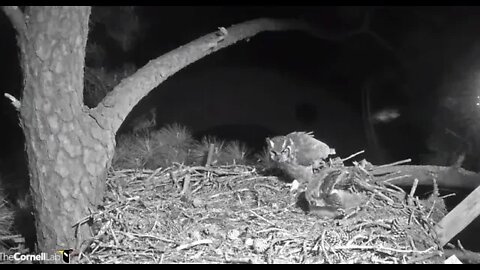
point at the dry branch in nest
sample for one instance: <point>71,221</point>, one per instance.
<point>232,214</point>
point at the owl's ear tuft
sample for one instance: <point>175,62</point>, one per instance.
<point>270,142</point>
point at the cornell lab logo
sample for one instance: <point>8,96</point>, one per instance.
<point>65,254</point>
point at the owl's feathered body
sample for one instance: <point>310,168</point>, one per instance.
<point>328,194</point>
<point>296,172</point>
<point>321,192</point>
<point>307,149</point>
<point>297,153</point>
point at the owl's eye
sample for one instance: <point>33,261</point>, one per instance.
<point>286,150</point>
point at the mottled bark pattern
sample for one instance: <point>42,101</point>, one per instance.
<point>68,153</point>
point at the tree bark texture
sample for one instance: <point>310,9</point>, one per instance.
<point>68,153</point>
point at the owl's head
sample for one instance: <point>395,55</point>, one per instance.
<point>280,149</point>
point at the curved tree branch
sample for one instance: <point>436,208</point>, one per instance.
<point>115,107</point>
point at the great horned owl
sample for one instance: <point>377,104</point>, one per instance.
<point>297,153</point>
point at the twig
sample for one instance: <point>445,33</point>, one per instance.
<point>383,196</point>
<point>412,217</point>
<point>197,188</point>
<point>216,169</point>
<point>186,185</point>
<point>393,164</point>
<point>379,223</point>
<point>115,239</point>
<point>412,192</point>
<point>412,243</point>
<point>262,218</point>
<point>322,244</point>
<point>83,255</point>
<point>85,219</point>
<point>447,195</point>
<point>353,155</point>
<point>396,178</point>
<point>459,244</point>
<point>196,243</point>
<point>93,251</point>
<point>383,249</point>
<point>414,187</point>
<point>148,236</point>
<point>153,174</point>
<point>396,187</point>
<point>431,209</point>
<point>239,198</point>
<point>273,229</point>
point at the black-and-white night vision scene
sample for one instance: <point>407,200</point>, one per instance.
<point>240,134</point>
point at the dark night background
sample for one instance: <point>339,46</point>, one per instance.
<point>415,59</point>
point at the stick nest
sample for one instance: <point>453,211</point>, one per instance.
<point>234,214</point>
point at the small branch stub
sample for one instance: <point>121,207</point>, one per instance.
<point>15,102</point>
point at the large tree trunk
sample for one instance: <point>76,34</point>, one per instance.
<point>68,152</point>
